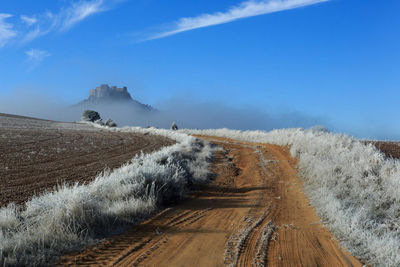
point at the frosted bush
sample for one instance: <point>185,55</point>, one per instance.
<point>8,217</point>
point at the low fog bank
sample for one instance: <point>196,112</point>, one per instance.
<point>186,114</point>
<point>217,115</point>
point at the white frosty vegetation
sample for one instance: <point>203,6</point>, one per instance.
<point>73,216</point>
<point>354,188</point>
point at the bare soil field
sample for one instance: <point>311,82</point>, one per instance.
<point>253,213</point>
<point>389,148</point>
<point>37,155</point>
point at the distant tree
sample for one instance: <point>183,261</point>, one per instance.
<point>91,115</point>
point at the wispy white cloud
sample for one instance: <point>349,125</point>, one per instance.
<point>33,34</point>
<point>37,55</point>
<point>80,11</point>
<point>28,20</point>
<point>6,29</point>
<point>33,26</point>
<point>246,9</point>
<point>35,58</point>
<point>66,18</point>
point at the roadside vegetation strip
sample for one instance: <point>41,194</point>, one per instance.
<point>74,216</point>
<point>354,188</point>
<point>180,137</point>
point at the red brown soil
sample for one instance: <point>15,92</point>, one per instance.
<point>254,212</point>
<point>389,148</point>
<point>37,155</point>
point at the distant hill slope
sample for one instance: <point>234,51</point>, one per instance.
<point>105,95</point>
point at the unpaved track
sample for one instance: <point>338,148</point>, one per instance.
<point>253,213</point>
<point>37,155</point>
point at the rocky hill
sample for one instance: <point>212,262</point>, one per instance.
<point>105,95</point>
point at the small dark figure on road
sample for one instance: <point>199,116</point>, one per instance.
<point>174,127</point>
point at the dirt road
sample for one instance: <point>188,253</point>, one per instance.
<point>36,155</point>
<point>253,213</point>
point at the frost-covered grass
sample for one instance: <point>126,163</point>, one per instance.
<point>354,188</point>
<point>73,216</point>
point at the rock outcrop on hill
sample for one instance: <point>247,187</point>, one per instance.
<point>116,103</point>
<point>106,95</point>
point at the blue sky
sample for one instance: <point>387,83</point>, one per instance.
<point>336,60</point>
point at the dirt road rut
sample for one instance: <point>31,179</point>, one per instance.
<point>253,214</point>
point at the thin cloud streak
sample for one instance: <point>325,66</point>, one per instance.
<point>6,29</point>
<point>246,9</point>
<point>37,55</point>
<point>33,34</point>
<point>66,18</point>
<point>37,25</point>
<point>80,11</point>
<point>28,20</point>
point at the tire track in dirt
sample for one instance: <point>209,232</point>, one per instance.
<point>141,240</point>
<point>253,214</point>
<point>253,243</point>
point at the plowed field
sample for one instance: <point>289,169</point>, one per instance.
<point>37,155</point>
